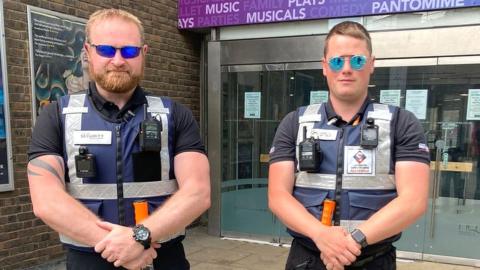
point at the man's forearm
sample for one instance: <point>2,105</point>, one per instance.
<point>176,213</point>
<point>55,206</point>
<point>70,218</point>
<point>280,198</point>
<point>189,202</point>
<point>412,188</point>
<point>297,217</point>
<point>391,220</point>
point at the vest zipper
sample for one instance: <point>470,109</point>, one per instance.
<point>119,165</point>
<point>339,178</point>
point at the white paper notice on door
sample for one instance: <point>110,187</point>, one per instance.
<point>317,97</point>
<point>416,102</point>
<point>390,97</point>
<point>473,105</point>
<point>253,102</point>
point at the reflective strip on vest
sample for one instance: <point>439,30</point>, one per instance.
<point>315,180</point>
<point>156,102</point>
<point>311,113</point>
<point>67,240</point>
<point>130,190</point>
<point>383,151</point>
<point>73,121</point>
<point>373,182</point>
<point>350,225</point>
<point>327,181</point>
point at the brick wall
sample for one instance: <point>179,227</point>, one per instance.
<point>172,69</point>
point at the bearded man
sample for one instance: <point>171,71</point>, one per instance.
<point>116,172</point>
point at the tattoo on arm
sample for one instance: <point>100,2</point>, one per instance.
<point>30,172</point>
<point>60,163</point>
<point>38,163</point>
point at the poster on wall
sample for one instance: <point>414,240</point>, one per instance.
<point>390,97</point>
<point>6,166</point>
<point>317,97</point>
<point>416,102</point>
<point>473,105</point>
<point>253,101</point>
<point>58,63</point>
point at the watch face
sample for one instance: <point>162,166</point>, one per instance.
<point>142,234</point>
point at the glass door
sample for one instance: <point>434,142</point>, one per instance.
<point>453,219</point>
<point>439,96</point>
<point>255,100</point>
<point>253,103</point>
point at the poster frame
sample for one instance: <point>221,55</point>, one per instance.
<point>45,12</point>
<point>6,105</point>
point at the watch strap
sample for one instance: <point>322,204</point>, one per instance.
<point>359,237</point>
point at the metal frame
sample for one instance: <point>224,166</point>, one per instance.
<point>214,138</point>
<point>274,50</point>
<point>6,106</point>
<point>46,12</point>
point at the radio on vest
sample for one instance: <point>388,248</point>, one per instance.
<point>310,155</point>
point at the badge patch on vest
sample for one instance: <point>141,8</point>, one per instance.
<point>69,110</point>
<point>359,161</point>
<point>158,110</point>
<point>324,134</point>
<point>92,137</point>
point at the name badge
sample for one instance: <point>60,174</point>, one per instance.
<point>158,110</point>
<point>359,161</point>
<point>92,137</point>
<point>68,110</point>
<point>325,134</point>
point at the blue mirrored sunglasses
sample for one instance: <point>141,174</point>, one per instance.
<point>127,52</point>
<point>357,62</point>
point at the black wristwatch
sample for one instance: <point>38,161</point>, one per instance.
<point>142,235</point>
<point>359,237</point>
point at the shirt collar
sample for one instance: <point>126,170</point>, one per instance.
<point>331,114</point>
<point>109,108</point>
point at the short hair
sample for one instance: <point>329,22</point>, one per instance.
<point>351,29</point>
<point>104,14</point>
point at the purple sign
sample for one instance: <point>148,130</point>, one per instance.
<point>211,13</point>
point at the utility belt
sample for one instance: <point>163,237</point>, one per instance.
<point>369,253</point>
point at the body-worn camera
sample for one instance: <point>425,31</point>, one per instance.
<point>369,134</point>
<point>310,154</point>
<point>150,134</point>
<point>85,163</point>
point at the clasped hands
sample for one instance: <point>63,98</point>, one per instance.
<point>337,248</point>
<point>120,248</point>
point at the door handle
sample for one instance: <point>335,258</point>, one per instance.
<point>439,146</point>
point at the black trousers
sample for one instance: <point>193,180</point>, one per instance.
<point>169,257</point>
<point>303,258</point>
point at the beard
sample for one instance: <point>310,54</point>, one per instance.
<point>116,81</point>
